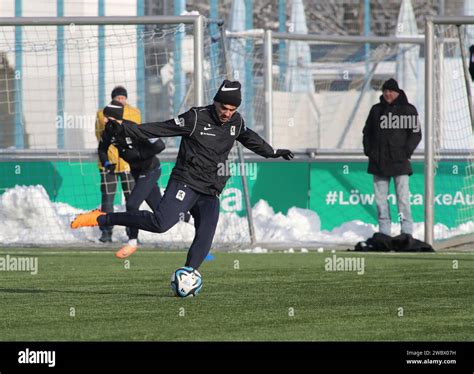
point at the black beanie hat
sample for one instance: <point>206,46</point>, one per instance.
<point>114,109</point>
<point>119,91</point>
<point>229,93</point>
<point>391,85</point>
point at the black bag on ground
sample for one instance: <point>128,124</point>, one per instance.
<point>384,243</point>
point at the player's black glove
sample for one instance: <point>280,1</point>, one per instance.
<point>285,153</point>
<point>109,167</point>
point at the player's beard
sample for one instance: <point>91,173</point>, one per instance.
<point>224,119</point>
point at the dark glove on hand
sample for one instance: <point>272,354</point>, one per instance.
<point>109,167</point>
<point>285,153</point>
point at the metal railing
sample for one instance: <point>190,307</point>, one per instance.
<point>170,154</point>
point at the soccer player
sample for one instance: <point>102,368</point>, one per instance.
<point>144,164</point>
<point>208,134</point>
<point>116,167</point>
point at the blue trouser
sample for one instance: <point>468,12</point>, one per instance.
<point>145,189</point>
<point>381,188</point>
<point>108,187</point>
<point>178,199</point>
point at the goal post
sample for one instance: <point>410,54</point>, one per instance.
<point>326,117</point>
<point>448,130</point>
<point>338,80</point>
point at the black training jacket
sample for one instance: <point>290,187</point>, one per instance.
<point>205,145</point>
<point>139,153</point>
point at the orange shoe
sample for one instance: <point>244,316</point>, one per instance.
<point>88,219</point>
<point>125,251</point>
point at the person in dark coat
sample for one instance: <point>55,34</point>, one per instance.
<point>390,136</point>
<point>142,158</point>
<point>118,168</point>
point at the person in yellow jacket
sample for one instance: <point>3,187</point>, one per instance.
<point>116,167</point>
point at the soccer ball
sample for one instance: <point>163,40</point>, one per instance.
<point>186,282</point>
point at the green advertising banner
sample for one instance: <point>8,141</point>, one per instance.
<point>342,192</point>
<point>337,191</point>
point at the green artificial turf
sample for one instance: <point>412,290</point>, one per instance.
<point>92,296</point>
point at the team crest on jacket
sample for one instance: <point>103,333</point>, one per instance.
<point>179,121</point>
<point>232,130</point>
<point>180,195</point>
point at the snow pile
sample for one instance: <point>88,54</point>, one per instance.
<point>29,217</point>
<point>298,225</point>
<point>254,250</point>
<point>303,226</point>
<point>444,232</point>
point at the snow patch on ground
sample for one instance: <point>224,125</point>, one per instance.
<point>29,217</point>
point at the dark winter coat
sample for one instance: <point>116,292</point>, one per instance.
<point>391,134</point>
<point>139,153</point>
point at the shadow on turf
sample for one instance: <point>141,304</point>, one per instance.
<point>437,258</point>
<point>20,290</point>
<point>34,291</point>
